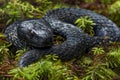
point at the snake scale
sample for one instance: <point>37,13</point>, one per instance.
<point>37,34</point>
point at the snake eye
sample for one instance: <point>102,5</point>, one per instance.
<point>31,33</point>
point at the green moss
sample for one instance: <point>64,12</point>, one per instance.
<point>4,51</point>
<point>114,11</point>
<point>86,24</point>
<point>49,68</point>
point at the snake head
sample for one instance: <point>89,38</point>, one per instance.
<point>35,33</point>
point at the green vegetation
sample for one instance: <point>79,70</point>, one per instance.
<point>114,11</point>
<point>102,66</point>
<point>4,51</point>
<point>49,68</point>
<point>86,25</point>
<point>17,10</point>
<point>101,63</point>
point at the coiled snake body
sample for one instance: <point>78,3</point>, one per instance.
<point>37,34</point>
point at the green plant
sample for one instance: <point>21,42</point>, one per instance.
<point>42,5</point>
<point>114,11</point>
<point>97,50</point>
<point>103,65</point>
<point>17,10</point>
<point>4,51</point>
<point>49,68</point>
<point>19,53</point>
<point>99,72</point>
<point>86,24</point>
<point>113,58</point>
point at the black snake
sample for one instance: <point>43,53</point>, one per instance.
<point>37,34</point>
